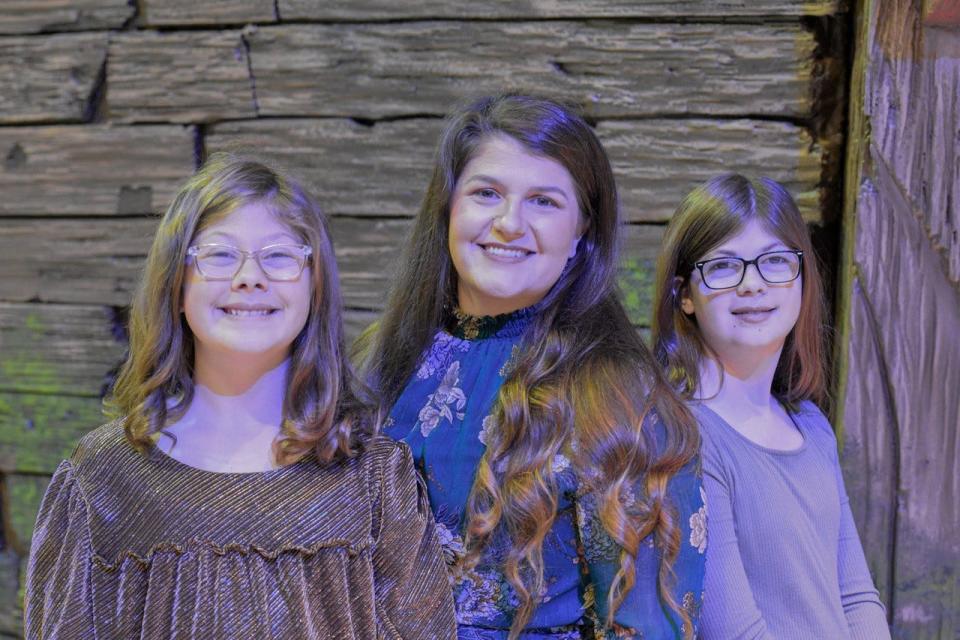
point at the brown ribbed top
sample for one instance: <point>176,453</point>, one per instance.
<point>134,546</point>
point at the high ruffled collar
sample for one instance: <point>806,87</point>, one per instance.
<point>505,325</point>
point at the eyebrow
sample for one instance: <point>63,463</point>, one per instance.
<point>267,240</point>
<point>733,254</point>
<point>482,177</point>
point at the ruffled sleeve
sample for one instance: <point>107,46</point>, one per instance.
<point>413,594</point>
<point>58,596</point>
<point>645,613</point>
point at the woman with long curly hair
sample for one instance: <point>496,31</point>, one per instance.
<point>240,493</point>
<point>561,468</point>
<point>739,326</point>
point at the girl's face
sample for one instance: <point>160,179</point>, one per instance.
<point>248,314</point>
<point>753,318</point>
<point>514,223</point>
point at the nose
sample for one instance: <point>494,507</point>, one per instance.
<point>752,281</point>
<point>250,275</point>
<point>510,223</point>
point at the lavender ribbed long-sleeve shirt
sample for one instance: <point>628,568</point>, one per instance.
<point>784,560</point>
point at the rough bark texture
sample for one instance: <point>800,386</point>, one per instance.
<point>901,367</point>
<point>156,13</point>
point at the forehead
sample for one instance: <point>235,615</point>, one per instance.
<point>749,239</point>
<point>505,158</point>
<point>253,222</point>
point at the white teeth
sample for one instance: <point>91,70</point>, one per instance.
<point>503,251</point>
<point>248,313</point>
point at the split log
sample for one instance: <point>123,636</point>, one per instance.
<point>54,78</point>
<point>34,16</point>
<point>156,13</point>
<point>92,170</point>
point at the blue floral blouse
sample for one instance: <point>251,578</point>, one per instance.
<point>445,414</point>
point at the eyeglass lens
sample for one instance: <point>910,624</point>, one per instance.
<point>281,262</point>
<point>778,266</point>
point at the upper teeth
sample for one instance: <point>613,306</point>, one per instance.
<point>504,251</point>
<point>248,312</point>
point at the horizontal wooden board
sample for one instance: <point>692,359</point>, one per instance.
<point>92,170</point>
<point>179,76</point>
<point>32,16</point>
<point>38,431</point>
<point>383,169</point>
<point>531,9</point>
<point>53,78</point>
<point>55,348</point>
<point>74,261</point>
<point>619,69</point>
<point>22,496</point>
<point>156,13</point>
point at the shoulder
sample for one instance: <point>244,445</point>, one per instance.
<point>814,424</point>
<point>384,457</point>
<point>101,448</point>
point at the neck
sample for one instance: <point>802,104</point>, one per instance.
<point>745,380</point>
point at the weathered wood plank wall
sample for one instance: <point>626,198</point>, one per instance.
<point>108,105</point>
<point>900,352</point>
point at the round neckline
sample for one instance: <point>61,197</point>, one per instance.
<point>756,445</point>
<point>165,458</point>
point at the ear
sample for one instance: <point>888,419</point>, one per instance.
<point>582,226</point>
<point>682,292</point>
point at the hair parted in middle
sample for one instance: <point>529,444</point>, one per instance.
<point>323,410</point>
<point>584,382</point>
<point>709,215</point>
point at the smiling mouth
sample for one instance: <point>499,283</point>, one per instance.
<point>238,312</point>
<point>501,251</point>
<point>753,313</point>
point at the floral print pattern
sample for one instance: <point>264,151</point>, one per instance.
<point>440,401</point>
<point>438,357</point>
<point>698,525</point>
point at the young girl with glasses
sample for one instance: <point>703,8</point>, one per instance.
<point>739,327</point>
<point>241,493</point>
<point>561,467</point>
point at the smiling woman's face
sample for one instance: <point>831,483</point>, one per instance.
<point>753,318</point>
<point>514,223</point>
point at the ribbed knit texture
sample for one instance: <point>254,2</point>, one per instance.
<point>134,546</point>
<point>783,560</point>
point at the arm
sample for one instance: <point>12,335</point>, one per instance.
<point>58,597</point>
<point>644,612</point>
<point>729,610</point>
<point>412,591</point>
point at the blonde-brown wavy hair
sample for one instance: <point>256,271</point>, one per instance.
<point>323,412</point>
<point>708,216</point>
<point>583,383</point>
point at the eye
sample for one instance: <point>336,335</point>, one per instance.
<point>720,265</point>
<point>485,193</point>
<point>544,201</point>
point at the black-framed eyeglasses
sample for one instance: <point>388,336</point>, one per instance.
<point>223,262</point>
<point>775,267</point>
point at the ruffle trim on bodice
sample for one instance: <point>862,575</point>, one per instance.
<point>505,325</point>
<point>144,561</point>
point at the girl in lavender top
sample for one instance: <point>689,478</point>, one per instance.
<point>739,327</point>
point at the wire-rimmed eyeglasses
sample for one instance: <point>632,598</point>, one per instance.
<point>775,267</point>
<point>223,262</point>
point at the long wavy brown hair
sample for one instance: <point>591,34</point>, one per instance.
<point>323,411</point>
<point>584,382</point>
<point>708,216</point>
